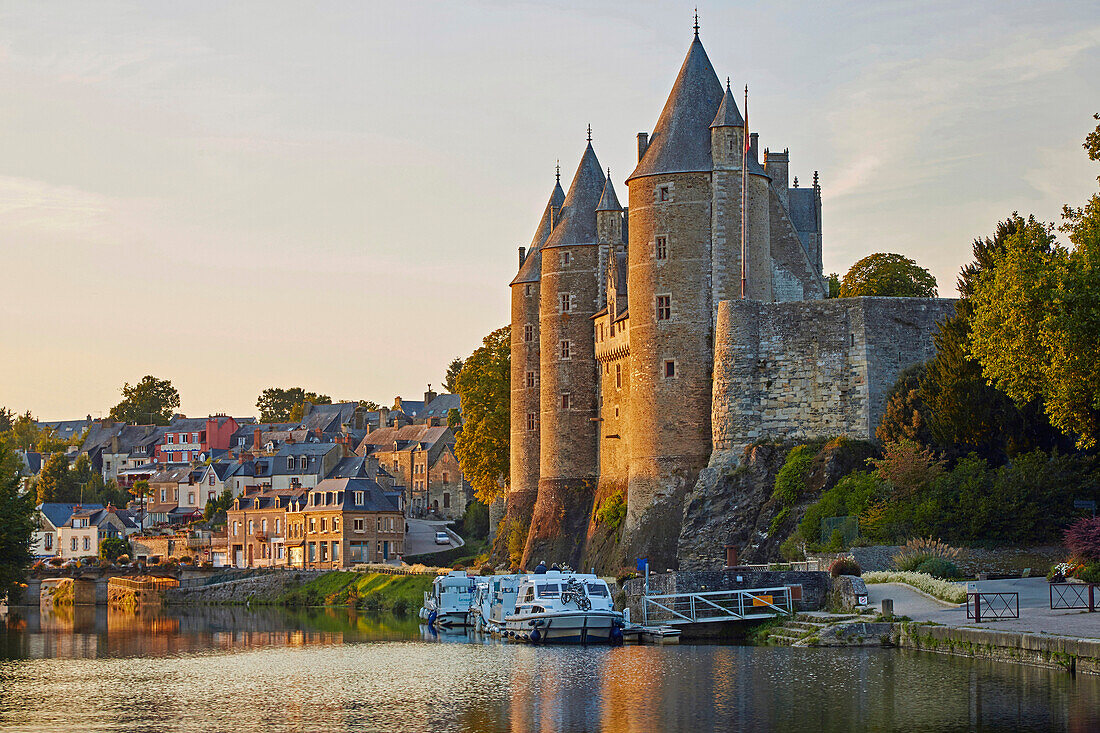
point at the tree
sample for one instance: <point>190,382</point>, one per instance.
<point>908,467</point>
<point>906,415</point>
<point>151,400</point>
<point>7,419</point>
<point>834,285</point>
<point>887,274</point>
<point>49,441</point>
<point>214,511</point>
<point>454,418</point>
<point>482,446</point>
<point>16,525</point>
<point>276,403</point>
<point>141,492</point>
<point>24,432</point>
<point>450,382</point>
<point>54,482</point>
<point>111,547</point>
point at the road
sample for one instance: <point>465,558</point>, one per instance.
<point>420,539</point>
<point>1036,616</point>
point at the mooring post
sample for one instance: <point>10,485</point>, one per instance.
<point>888,607</point>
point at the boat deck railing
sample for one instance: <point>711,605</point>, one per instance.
<point>714,606</point>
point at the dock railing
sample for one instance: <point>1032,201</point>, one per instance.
<point>713,606</point>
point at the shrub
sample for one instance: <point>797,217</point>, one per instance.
<point>940,568</point>
<point>790,482</point>
<point>612,511</point>
<point>909,467</point>
<point>1090,573</point>
<point>111,548</point>
<point>849,496</point>
<point>1083,538</point>
<point>791,548</point>
<point>942,589</point>
<point>845,566</point>
<point>916,551</point>
<point>400,607</point>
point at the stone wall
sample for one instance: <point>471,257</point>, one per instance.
<point>814,369</point>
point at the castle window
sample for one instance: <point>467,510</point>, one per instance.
<point>613,329</point>
<point>566,301</point>
<point>567,401</point>
<point>528,332</point>
<point>664,307</point>
<point>565,350</point>
<point>527,290</point>
<point>532,421</point>
<point>616,411</point>
<point>670,369</point>
<point>662,193</point>
<point>566,258</point>
<point>662,248</point>
<point>530,379</point>
<point>618,376</point>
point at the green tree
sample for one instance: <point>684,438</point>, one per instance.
<point>16,525</point>
<point>111,547</point>
<point>54,482</point>
<point>277,403</point>
<point>834,285</point>
<point>49,441</point>
<point>24,432</point>
<point>214,511</point>
<point>906,415</point>
<point>454,418</point>
<point>151,400</point>
<point>482,446</point>
<point>450,382</point>
<point>7,419</point>
<point>887,274</point>
<point>141,491</point>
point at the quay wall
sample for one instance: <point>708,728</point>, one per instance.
<point>1078,656</point>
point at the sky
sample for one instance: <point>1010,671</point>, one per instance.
<point>241,195</point>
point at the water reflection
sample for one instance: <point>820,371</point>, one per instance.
<point>219,668</point>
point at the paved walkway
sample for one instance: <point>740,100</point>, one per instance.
<point>1036,617</point>
<point>420,539</point>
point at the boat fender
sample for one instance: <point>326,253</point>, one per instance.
<point>535,636</point>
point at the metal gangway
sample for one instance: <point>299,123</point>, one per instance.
<point>720,605</point>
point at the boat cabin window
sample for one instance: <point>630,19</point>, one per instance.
<point>529,595</point>
<point>549,590</point>
<point>594,589</point>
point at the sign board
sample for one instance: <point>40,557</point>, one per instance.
<point>643,563</point>
<point>1088,504</point>
<point>762,601</point>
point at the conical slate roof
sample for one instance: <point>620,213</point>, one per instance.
<point>529,271</point>
<point>578,212</point>
<point>681,140</point>
<point>608,200</point>
<point>728,114</point>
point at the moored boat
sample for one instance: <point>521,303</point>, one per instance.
<point>447,604</point>
<point>564,608</point>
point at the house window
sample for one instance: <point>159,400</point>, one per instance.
<point>670,369</point>
<point>565,301</point>
<point>313,552</point>
<point>324,524</point>
<point>335,551</point>
<point>194,437</point>
<point>107,465</point>
<point>302,463</point>
<point>528,332</point>
<point>211,479</point>
<point>276,525</point>
<point>567,401</point>
<point>358,525</point>
<point>236,528</point>
<point>565,349</point>
<point>566,258</point>
<point>191,498</point>
<point>530,379</point>
<point>444,477</point>
<point>87,543</point>
<point>359,498</point>
<point>163,495</point>
<point>336,524</point>
<point>49,540</point>
<point>74,544</point>
<point>662,193</point>
<point>324,551</point>
<point>618,376</point>
<point>662,248</point>
<point>290,463</point>
<point>446,500</point>
<point>251,526</point>
<point>664,307</point>
<point>532,421</point>
<point>312,524</point>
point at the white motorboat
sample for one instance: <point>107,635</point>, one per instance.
<point>494,599</point>
<point>564,608</point>
<point>447,604</point>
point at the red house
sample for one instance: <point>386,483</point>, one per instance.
<point>186,438</point>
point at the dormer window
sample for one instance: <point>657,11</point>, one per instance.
<point>290,463</point>
<point>303,462</point>
<point>359,498</point>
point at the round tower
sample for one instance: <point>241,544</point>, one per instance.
<point>671,307</point>
<point>568,296</point>
<point>524,447</point>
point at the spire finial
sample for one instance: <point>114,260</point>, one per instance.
<point>796,181</point>
<point>557,172</point>
<point>590,132</point>
<point>696,22</point>
<point>609,172</point>
<point>727,83</point>
<point>815,179</point>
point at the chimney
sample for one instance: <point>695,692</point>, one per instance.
<point>776,166</point>
<point>522,255</point>
<point>359,417</point>
<point>383,416</point>
<point>306,407</point>
<point>754,137</point>
<point>429,396</point>
<point>257,438</point>
<point>317,432</point>
<point>643,144</point>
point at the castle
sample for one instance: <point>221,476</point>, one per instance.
<point>635,353</point>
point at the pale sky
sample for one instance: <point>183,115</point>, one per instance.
<point>237,195</point>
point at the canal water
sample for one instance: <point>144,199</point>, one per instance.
<point>235,669</point>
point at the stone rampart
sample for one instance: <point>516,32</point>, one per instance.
<point>814,369</point>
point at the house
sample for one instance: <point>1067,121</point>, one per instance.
<point>422,458</point>
<point>87,527</point>
<point>256,526</point>
<point>333,419</point>
<point>303,465</point>
<point>66,430</point>
<point>131,446</point>
<point>342,522</point>
<point>176,496</point>
<point>187,438</point>
<point>49,518</point>
<point>437,410</point>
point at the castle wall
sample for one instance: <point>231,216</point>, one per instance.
<point>524,447</point>
<point>814,369</point>
<point>669,417</point>
<point>613,357</point>
<point>795,273</point>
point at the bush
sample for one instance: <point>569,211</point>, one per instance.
<point>845,566</point>
<point>915,552</point>
<point>790,482</point>
<point>612,511</point>
<point>850,496</point>
<point>112,548</point>
<point>1083,538</point>
<point>791,548</point>
<point>1090,573</point>
<point>940,568</point>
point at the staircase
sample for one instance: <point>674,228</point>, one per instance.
<point>805,628</point>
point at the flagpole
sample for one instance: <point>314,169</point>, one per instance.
<point>744,198</point>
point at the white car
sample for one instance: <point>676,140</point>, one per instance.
<point>442,538</point>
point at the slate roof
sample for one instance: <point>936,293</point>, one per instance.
<point>58,513</point>
<point>441,405</point>
<point>728,114</point>
<point>329,418</point>
<point>680,141</point>
<point>32,461</point>
<point>350,467</point>
<point>249,430</point>
<point>578,211</point>
<point>406,437</point>
<point>65,429</point>
<point>99,435</point>
<point>188,425</point>
<point>178,474</point>
<point>608,200</point>
<point>803,209</point>
<point>375,498</point>
<point>531,269</point>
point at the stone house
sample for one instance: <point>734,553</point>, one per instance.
<point>87,527</point>
<point>50,517</point>
<point>303,465</point>
<point>342,522</point>
<point>422,459</point>
<point>256,528</point>
<point>185,439</point>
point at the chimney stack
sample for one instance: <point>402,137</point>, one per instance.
<point>257,437</point>
<point>643,144</point>
<point>522,255</point>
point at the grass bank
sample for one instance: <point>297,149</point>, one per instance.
<point>397,594</point>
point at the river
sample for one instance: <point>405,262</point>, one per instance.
<point>234,669</point>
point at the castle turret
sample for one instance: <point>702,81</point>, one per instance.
<point>569,293</point>
<point>523,486</point>
<point>670,311</point>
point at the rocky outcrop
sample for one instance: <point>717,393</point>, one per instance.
<point>732,503</point>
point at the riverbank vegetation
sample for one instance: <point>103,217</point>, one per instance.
<point>375,592</point>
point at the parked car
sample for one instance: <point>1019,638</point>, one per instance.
<point>442,538</point>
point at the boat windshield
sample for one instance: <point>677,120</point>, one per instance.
<point>597,589</point>
<point>548,590</point>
